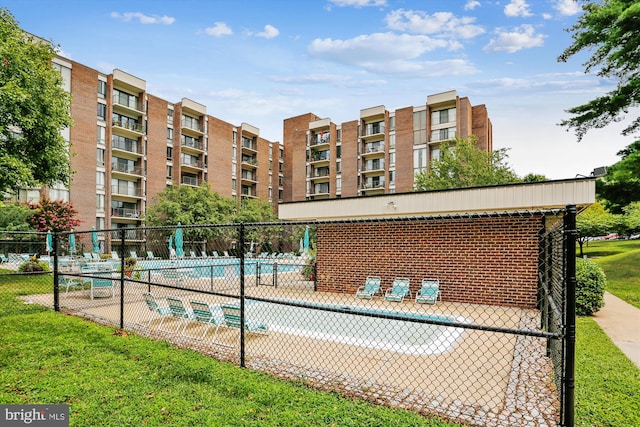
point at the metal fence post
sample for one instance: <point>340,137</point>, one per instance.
<point>242,314</point>
<point>122,263</point>
<point>56,279</point>
<point>570,316</point>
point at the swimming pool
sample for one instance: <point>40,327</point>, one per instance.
<point>220,267</point>
<point>354,329</point>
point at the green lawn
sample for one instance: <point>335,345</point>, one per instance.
<point>620,260</point>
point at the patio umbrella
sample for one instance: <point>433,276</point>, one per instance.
<point>94,240</point>
<point>72,243</point>
<point>179,242</point>
<point>306,239</point>
<point>171,251</point>
<point>49,242</point>
<point>301,246</point>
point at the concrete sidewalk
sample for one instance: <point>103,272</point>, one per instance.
<point>621,322</point>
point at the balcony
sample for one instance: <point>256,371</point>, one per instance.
<point>373,129</point>
<point>189,162</point>
<point>127,126</point>
<point>193,144</point>
<point>373,150</point>
<point>249,192</point>
<point>320,156</point>
<point>117,190</point>
<point>125,102</point>
<point>125,213</point>
<point>320,139</point>
<point>126,145</point>
<point>252,162</point>
<point>320,174</point>
<point>190,180</point>
<point>192,126</point>
<point>248,176</point>
<point>372,167</point>
<point>126,169</point>
<point>249,145</point>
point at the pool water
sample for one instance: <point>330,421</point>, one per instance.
<point>218,267</point>
<point>350,328</point>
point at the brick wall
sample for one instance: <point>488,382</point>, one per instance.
<point>491,261</point>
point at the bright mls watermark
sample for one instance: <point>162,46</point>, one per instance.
<point>34,415</point>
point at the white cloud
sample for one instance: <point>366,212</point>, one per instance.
<point>546,16</point>
<point>106,67</point>
<point>269,32</point>
<point>440,23</point>
<point>338,80</point>
<point>471,4</point>
<point>219,29</point>
<point>377,47</point>
<point>358,3</point>
<point>567,7</point>
<point>522,37</point>
<point>143,19</point>
<point>517,8</point>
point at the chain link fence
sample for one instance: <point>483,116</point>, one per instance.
<point>463,317</point>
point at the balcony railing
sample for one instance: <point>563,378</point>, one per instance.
<point>249,144</point>
<point>373,148</point>
<point>133,192</point>
<point>130,146</point>
<point>190,180</point>
<point>320,139</point>
<point>320,173</point>
<point>369,185</point>
<point>372,166</point>
<point>128,101</point>
<point>250,161</point>
<point>192,163</point>
<point>373,129</point>
<point>134,170</point>
<point>193,125</point>
<point>125,212</point>
<point>248,176</point>
<point>134,126</point>
<point>320,156</point>
<point>192,143</point>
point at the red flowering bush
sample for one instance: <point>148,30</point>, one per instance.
<point>54,215</point>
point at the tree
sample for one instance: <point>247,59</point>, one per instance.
<point>594,221</point>
<point>15,217</point>
<point>34,108</point>
<point>463,164</point>
<point>621,185</point>
<point>632,217</point>
<point>534,177</point>
<point>608,29</point>
<point>54,215</point>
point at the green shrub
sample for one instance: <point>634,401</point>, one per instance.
<point>590,285</point>
<point>33,265</point>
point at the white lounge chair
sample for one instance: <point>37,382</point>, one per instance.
<point>429,291</point>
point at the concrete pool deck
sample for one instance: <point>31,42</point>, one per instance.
<point>486,378</point>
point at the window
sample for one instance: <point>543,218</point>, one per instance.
<point>338,167</point>
<point>233,184</point>
<point>100,157</point>
<point>169,153</point>
<point>99,202</point>
<point>99,223</point>
<point>169,171</point>
<point>392,159</point>
<point>101,132</point>
<point>170,115</point>
<point>170,134</point>
<point>102,111</point>
<point>392,122</point>
<point>443,134</point>
<point>419,160</point>
<point>338,151</point>
<point>392,141</point>
<point>419,127</point>
<point>435,153</point>
<point>100,180</point>
<point>102,89</point>
<point>338,184</point>
<point>443,116</point>
<point>392,177</point>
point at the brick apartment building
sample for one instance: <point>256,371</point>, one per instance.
<point>128,145</point>
<point>380,152</point>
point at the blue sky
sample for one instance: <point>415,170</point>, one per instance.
<point>263,61</point>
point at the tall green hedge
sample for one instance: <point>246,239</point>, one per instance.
<point>590,284</point>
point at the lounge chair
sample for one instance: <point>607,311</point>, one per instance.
<point>370,289</point>
<point>398,290</point>
<point>102,283</point>
<point>215,254</point>
<point>150,255</point>
<point>232,320</point>
<point>133,254</point>
<point>87,256</point>
<point>178,311</point>
<point>151,306</point>
<point>429,292</point>
<point>3,258</point>
<point>193,254</point>
<point>209,315</point>
<point>95,257</point>
<point>173,274</point>
<point>114,255</point>
<point>70,282</point>
<point>204,254</point>
<point>226,254</point>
